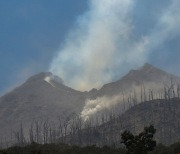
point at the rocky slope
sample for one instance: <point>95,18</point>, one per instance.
<point>148,76</point>
<point>41,97</point>
<point>164,115</point>
<point>44,96</point>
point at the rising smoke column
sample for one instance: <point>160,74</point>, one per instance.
<point>100,46</point>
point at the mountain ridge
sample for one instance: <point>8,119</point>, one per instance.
<point>163,114</point>
<point>43,98</point>
<point>145,74</point>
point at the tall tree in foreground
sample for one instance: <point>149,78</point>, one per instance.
<point>139,144</point>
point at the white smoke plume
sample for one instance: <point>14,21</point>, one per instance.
<point>101,46</point>
<point>167,26</point>
<point>93,106</point>
<point>127,97</point>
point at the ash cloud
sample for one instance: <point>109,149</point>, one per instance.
<point>101,46</point>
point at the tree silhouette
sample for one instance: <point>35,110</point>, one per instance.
<point>139,144</point>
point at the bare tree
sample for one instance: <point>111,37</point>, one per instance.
<point>31,134</point>
<point>45,131</point>
<point>37,132</point>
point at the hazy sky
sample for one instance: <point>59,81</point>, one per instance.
<point>32,32</point>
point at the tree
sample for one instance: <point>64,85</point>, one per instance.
<point>139,144</point>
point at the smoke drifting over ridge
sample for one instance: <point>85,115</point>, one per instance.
<point>102,47</point>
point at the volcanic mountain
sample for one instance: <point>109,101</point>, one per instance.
<point>41,97</point>
<point>147,76</point>
<point>44,96</point>
<point>163,114</point>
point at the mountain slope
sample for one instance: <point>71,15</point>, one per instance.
<point>148,76</point>
<point>164,115</point>
<point>145,83</point>
<point>44,96</point>
<point>39,98</point>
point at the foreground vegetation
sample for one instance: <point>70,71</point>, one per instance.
<point>66,149</point>
<point>133,144</point>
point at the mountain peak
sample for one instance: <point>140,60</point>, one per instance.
<point>149,73</point>
<point>45,75</point>
<point>150,69</point>
<point>145,69</point>
<point>147,66</point>
<point>39,76</point>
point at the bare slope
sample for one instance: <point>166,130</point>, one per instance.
<point>45,96</point>
<point>164,115</point>
<point>147,75</point>
<point>40,97</point>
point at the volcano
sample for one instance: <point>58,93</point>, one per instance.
<point>44,96</point>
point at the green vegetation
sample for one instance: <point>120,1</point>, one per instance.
<point>161,149</point>
<point>142,143</point>
<point>66,149</point>
<point>61,149</point>
<point>139,144</point>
